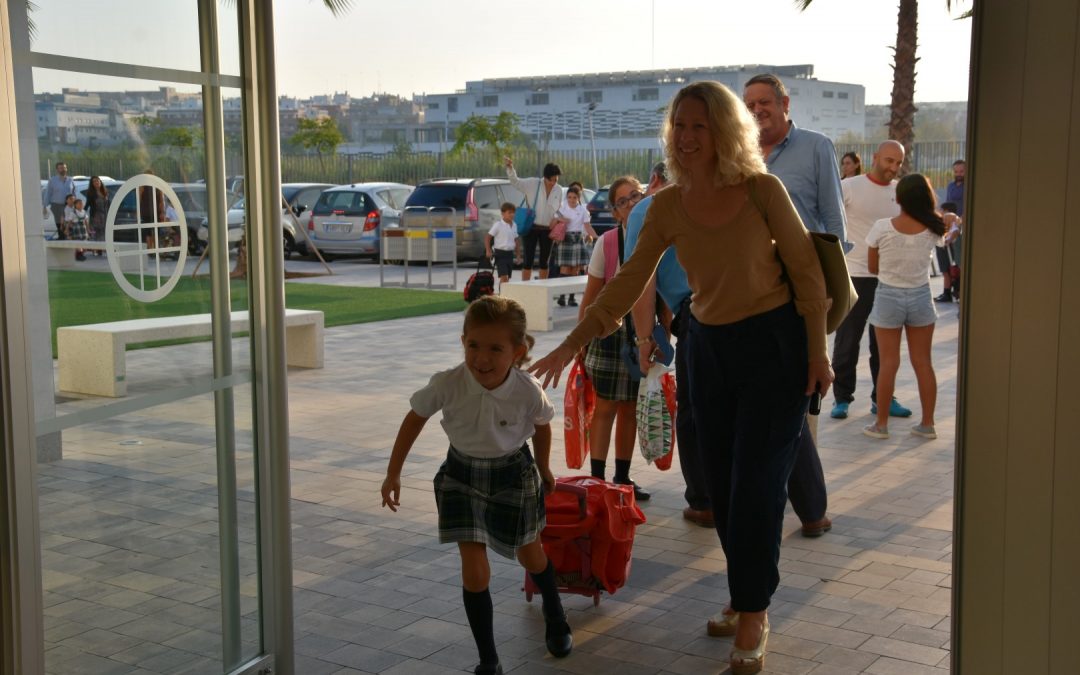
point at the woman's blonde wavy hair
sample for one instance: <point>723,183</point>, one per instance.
<point>734,131</point>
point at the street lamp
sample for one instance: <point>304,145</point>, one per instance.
<point>592,142</point>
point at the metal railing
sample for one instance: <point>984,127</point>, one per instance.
<point>932,158</point>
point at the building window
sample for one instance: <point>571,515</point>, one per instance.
<point>593,96</point>
<point>841,94</point>
<point>488,101</point>
<point>647,94</point>
<point>794,91</point>
<point>451,104</point>
<point>539,98</point>
<point>826,94</point>
<point>432,106</point>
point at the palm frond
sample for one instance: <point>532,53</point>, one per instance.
<point>802,4</point>
<point>338,7</point>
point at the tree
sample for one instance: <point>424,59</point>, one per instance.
<point>478,131</point>
<point>322,136</point>
<point>902,106</point>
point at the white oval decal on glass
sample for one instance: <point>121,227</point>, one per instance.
<point>152,238</point>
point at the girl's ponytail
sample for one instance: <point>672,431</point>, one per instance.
<point>916,198</point>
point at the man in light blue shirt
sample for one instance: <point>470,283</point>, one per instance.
<point>803,160</point>
<point>60,185</point>
<point>670,281</point>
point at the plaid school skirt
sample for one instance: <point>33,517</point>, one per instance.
<point>572,251</point>
<point>608,372</point>
<point>497,501</point>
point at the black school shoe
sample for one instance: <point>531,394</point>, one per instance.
<point>486,669</point>
<point>640,493</point>
<point>557,635</point>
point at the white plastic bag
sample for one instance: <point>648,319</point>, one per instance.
<point>654,420</point>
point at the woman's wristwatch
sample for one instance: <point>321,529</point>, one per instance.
<point>638,340</point>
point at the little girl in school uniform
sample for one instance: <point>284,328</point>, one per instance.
<point>490,490</point>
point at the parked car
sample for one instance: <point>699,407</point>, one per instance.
<point>471,205</point>
<point>600,211</point>
<point>347,219</point>
<point>299,196</point>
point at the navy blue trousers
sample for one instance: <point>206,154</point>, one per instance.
<point>697,493</point>
<point>747,390</point>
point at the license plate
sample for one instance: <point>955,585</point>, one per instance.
<point>337,228</point>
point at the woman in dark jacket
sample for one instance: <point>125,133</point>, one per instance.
<point>97,206</point>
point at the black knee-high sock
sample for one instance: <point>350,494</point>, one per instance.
<point>599,468</point>
<point>479,610</point>
<point>622,471</point>
<point>545,581</point>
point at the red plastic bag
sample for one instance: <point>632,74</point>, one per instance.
<point>578,405</point>
<point>668,384</point>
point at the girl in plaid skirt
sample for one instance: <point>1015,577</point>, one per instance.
<point>572,253</point>
<point>490,490</point>
<point>616,390</point>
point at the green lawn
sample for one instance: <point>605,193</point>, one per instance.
<point>77,298</point>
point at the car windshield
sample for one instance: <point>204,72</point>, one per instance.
<point>600,200</point>
<point>441,195</point>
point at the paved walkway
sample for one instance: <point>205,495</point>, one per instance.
<point>129,526</point>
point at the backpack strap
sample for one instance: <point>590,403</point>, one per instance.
<point>611,253</point>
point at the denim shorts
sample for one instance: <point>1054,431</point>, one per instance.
<point>898,307</point>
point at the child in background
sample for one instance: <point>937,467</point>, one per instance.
<point>571,253</point>
<point>490,491</point>
<point>74,225</point>
<point>503,239</point>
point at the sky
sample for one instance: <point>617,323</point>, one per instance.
<point>434,46</point>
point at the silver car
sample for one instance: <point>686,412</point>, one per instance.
<point>299,196</point>
<point>349,218</point>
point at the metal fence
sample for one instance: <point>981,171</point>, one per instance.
<point>934,159</point>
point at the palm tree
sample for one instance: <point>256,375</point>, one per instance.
<point>902,107</point>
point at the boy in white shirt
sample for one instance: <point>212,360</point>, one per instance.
<point>503,238</point>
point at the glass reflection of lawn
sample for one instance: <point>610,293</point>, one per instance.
<point>77,298</point>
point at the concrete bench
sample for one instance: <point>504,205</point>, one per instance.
<point>537,296</point>
<point>92,358</point>
<point>60,253</point>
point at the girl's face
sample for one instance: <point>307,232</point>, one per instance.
<point>490,353</point>
<point>623,201</point>
<point>69,201</point>
<point>847,167</point>
<point>572,199</point>
<point>95,182</point>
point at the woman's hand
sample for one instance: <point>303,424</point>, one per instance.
<point>819,378</point>
<point>391,492</point>
<point>551,366</point>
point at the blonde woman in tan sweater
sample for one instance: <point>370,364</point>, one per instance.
<point>757,345</point>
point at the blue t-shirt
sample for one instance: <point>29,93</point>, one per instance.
<point>670,276</point>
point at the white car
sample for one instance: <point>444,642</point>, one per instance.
<point>300,197</point>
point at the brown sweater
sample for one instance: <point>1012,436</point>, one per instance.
<point>732,267</point>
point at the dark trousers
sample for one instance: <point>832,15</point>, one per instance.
<point>806,486</point>
<point>748,383</point>
<point>536,235</point>
<point>846,346</point>
<point>58,218</point>
<point>697,494</point>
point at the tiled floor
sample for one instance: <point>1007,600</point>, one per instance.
<point>129,521</point>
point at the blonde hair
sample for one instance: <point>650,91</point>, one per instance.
<point>494,309</point>
<point>734,132</point>
<point>614,187</point>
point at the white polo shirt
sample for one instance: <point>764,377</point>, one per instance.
<point>865,203</point>
<point>483,422</point>
<point>503,235</point>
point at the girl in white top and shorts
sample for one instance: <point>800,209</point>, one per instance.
<point>899,254</point>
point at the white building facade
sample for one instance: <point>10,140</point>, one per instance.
<point>627,108</point>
